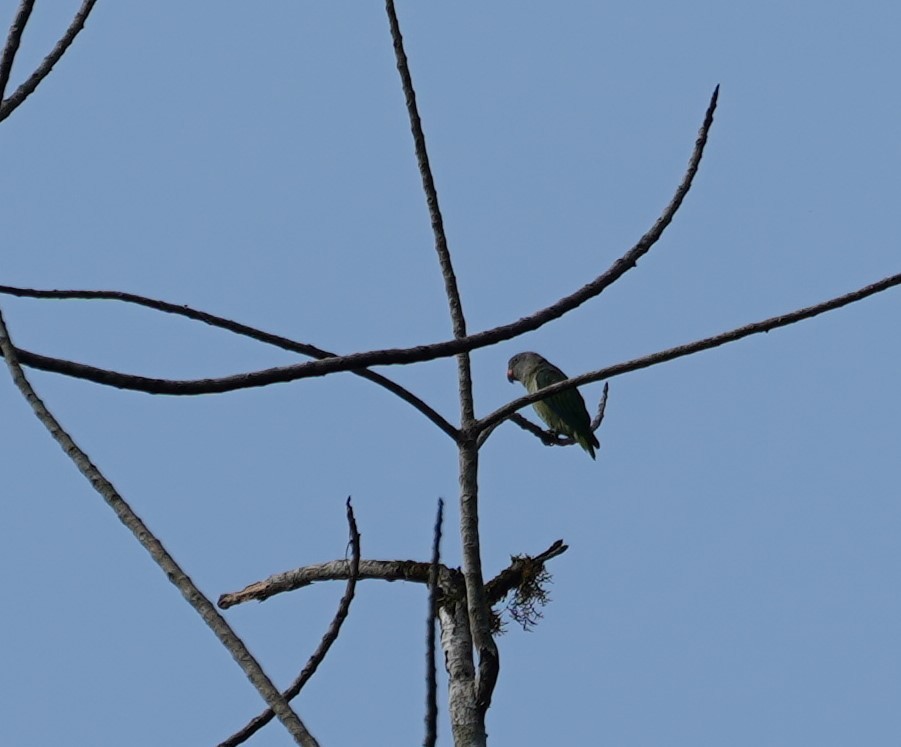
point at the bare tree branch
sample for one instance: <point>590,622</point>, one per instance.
<point>602,408</point>
<point>240,329</point>
<point>393,356</point>
<point>476,602</point>
<point>542,434</point>
<point>334,570</point>
<point>425,171</point>
<point>479,612</point>
<point>262,378</point>
<point>43,70</point>
<point>431,698</point>
<point>13,40</point>
<point>458,320</point>
<point>384,570</point>
<point>774,322</point>
<point>160,555</point>
<point>331,635</point>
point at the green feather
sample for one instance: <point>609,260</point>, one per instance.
<point>564,412</point>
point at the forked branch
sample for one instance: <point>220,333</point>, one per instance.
<point>13,40</point>
<point>75,369</point>
<point>414,571</point>
<point>477,605</point>
<point>9,105</point>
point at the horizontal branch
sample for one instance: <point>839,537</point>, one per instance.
<point>395,356</point>
<point>386,570</point>
<point>334,570</point>
<point>89,373</point>
<point>489,422</point>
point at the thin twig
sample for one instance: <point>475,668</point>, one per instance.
<point>203,606</point>
<point>602,408</point>
<point>547,437</point>
<point>431,698</point>
<point>240,329</point>
<point>766,325</point>
<point>43,70</point>
<point>13,40</point>
<point>394,356</point>
<point>331,635</point>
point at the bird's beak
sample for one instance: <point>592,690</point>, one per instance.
<point>510,375</point>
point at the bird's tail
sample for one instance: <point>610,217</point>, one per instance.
<point>589,443</point>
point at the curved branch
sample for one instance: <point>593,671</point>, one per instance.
<point>13,40</point>
<point>331,635</point>
<point>489,422</point>
<point>15,99</point>
<point>74,369</point>
<point>203,606</point>
<point>334,570</point>
<point>395,356</point>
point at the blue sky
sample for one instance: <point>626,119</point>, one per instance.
<point>734,557</point>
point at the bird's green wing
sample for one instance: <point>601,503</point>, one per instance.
<point>568,406</point>
<point>565,412</point>
<point>547,375</point>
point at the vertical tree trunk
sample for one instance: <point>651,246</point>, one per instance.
<point>467,719</point>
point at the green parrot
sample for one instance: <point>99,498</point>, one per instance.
<point>564,412</point>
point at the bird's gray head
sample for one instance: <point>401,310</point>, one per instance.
<point>520,365</point>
